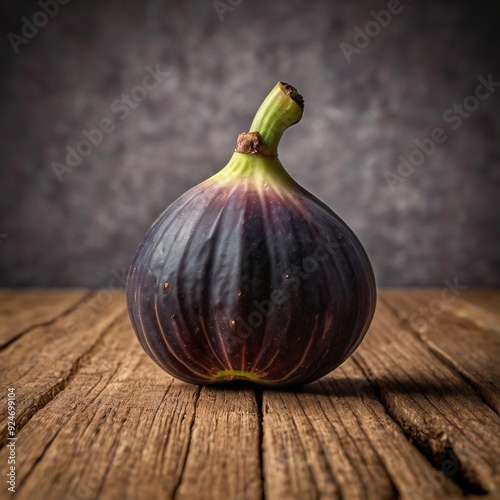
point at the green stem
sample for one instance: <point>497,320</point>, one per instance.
<point>282,108</point>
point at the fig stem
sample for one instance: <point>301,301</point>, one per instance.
<point>282,108</point>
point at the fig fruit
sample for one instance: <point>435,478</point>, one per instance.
<point>248,276</point>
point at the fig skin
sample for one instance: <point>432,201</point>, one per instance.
<point>248,276</point>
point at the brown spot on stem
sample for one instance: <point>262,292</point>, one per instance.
<point>249,143</point>
<point>293,94</point>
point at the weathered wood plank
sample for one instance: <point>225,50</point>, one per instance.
<point>41,362</point>
<point>456,334</point>
<point>334,439</point>
<point>24,309</point>
<point>486,299</point>
<point>402,418</point>
<point>122,424</point>
<point>463,303</point>
<point>436,408</point>
<point>122,428</point>
<point>223,459</point>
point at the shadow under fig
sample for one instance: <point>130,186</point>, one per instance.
<point>336,385</point>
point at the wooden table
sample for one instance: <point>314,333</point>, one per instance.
<point>414,413</point>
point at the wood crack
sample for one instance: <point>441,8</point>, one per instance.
<point>321,448</point>
<point>45,398</point>
<point>476,387</point>
<point>175,490</point>
<point>395,494</point>
<point>259,394</point>
<point>440,455</point>
<point>444,358</point>
<point>157,409</point>
<point>38,460</point>
<point>49,322</point>
<point>310,467</point>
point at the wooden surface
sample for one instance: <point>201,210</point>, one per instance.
<point>414,413</point>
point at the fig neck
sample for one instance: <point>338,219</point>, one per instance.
<point>282,108</point>
<point>254,168</point>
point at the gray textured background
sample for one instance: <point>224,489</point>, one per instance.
<point>441,223</point>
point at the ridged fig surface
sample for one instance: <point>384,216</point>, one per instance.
<point>250,280</point>
<point>247,275</point>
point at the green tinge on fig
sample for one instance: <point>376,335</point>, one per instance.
<point>229,375</point>
<point>255,169</point>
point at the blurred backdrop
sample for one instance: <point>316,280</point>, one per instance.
<point>111,109</point>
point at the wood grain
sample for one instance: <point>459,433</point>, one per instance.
<point>22,310</point>
<point>414,413</point>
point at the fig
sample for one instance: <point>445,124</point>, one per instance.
<point>248,276</point>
